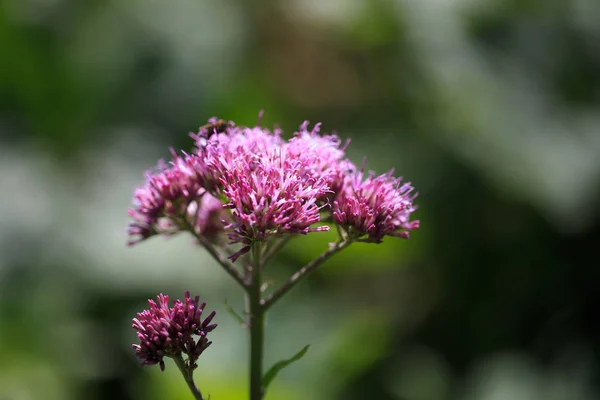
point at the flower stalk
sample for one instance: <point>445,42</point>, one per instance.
<point>222,260</point>
<point>188,375</point>
<point>256,325</point>
<point>303,272</point>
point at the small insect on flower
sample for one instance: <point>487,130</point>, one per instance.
<point>216,126</point>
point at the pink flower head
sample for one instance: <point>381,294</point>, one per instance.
<point>220,151</point>
<point>170,198</point>
<point>375,207</point>
<point>250,184</point>
<point>320,156</point>
<point>269,196</point>
<point>167,332</point>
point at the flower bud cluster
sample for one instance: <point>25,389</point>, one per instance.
<point>165,331</point>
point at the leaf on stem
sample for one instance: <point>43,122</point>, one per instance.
<point>270,375</point>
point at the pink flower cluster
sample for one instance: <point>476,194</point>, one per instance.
<point>167,332</point>
<point>377,206</point>
<point>249,184</point>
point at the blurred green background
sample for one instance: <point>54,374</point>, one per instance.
<point>491,108</point>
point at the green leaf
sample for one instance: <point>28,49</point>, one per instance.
<point>235,315</point>
<point>270,375</point>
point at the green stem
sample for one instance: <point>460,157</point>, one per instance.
<point>256,326</point>
<point>188,375</point>
<point>304,271</point>
<point>221,259</point>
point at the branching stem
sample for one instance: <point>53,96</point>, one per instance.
<point>188,375</point>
